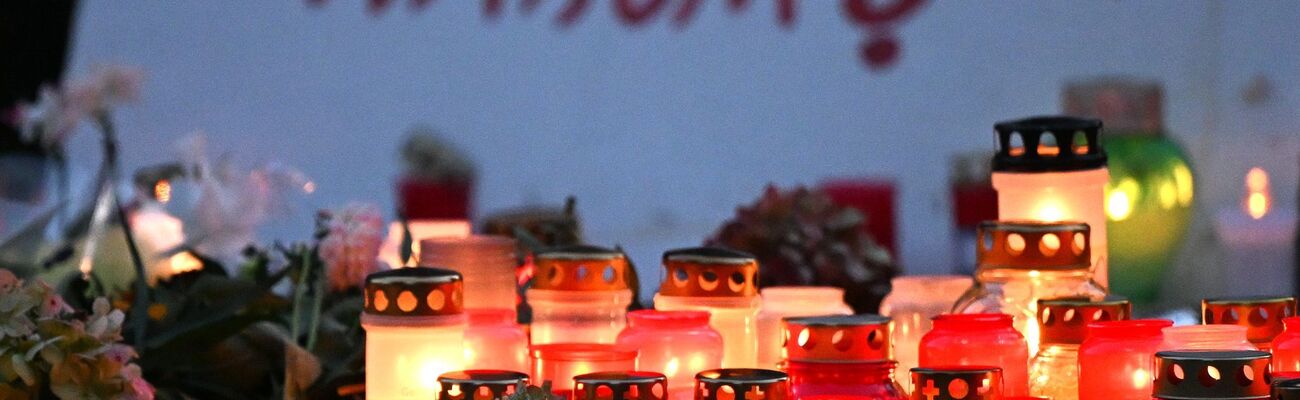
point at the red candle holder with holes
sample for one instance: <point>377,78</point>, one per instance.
<point>1116,357</point>
<point>558,363</point>
<point>1286,347</point>
<point>841,357</point>
<point>979,339</point>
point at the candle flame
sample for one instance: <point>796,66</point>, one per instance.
<point>1258,198</point>
<point>1141,378</point>
<point>1050,212</point>
<point>184,262</point>
<point>671,368</point>
<point>1120,199</point>
<point>162,191</point>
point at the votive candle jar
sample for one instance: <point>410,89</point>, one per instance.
<point>678,344</point>
<point>1054,169</point>
<point>1286,347</point>
<point>620,385</point>
<point>1285,389</point>
<point>1054,371</point>
<point>792,301</point>
<point>1021,262</point>
<point>487,262</point>
<point>481,384</point>
<point>841,357</point>
<point>580,294</point>
<point>912,301</point>
<point>742,383</point>
<point>1238,375</point>
<point>957,382</point>
<point>1262,315</point>
<point>415,331</point>
<point>724,283</point>
<point>494,341</point>
<point>1115,360</point>
<point>558,363</point>
<point>979,340</point>
<point>1205,337</point>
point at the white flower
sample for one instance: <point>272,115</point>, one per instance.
<point>350,249</point>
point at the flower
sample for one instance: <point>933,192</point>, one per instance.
<point>8,281</point>
<point>109,87</point>
<point>351,245</point>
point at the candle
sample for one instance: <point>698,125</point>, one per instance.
<point>494,341</point>
<point>841,357</point>
<point>622,385</point>
<point>414,331</point>
<point>742,383</point>
<point>1205,337</point>
<point>1258,240</point>
<point>1286,347</point>
<point>979,340</point>
<point>912,302</point>
<point>1185,375</point>
<point>678,344</point>
<point>580,294</point>
<point>722,282</point>
<point>390,252</point>
<point>957,382</point>
<point>158,234</point>
<point>792,301</point>
<point>1285,389</point>
<point>558,363</point>
<point>1063,323</point>
<point>487,262</point>
<point>1261,316</point>
<point>1115,360</point>
<point>1054,169</point>
<point>480,384</point>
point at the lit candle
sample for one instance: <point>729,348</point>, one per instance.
<point>580,294</point>
<point>488,264</point>
<point>622,385</point>
<point>494,341</point>
<point>1054,169</point>
<point>1241,375</point>
<point>742,383</point>
<point>1286,347</point>
<point>1258,240</point>
<point>793,301</point>
<point>558,363</point>
<point>978,340</point>
<point>1261,316</point>
<point>678,344</point>
<point>912,302</point>
<point>724,283</point>
<point>414,331</point>
<point>1115,360</point>
<point>1063,323</point>
<point>481,384</point>
<point>843,357</point>
<point>158,233</point>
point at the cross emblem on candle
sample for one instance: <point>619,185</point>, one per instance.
<point>755,394</point>
<point>929,391</point>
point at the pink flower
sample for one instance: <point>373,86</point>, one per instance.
<point>8,281</point>
<point>350,249</point>
<point>52,305</point>
<point>137,387</point>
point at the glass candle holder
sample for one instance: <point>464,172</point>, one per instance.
<point>1116,358</point>
<point>415,331</point>
<point>1285,389</point>
<point>1262,316</point>
<point>558,363</point>
<point>628,385</point>
<point>841,357</point>
<point>1286,347</point>
<point>1211,375</point>
<point>485,384</point>
<point>678,344</point>
<point>1054,371</point>
<point>580,294</point>
<point>979,340</point>
<point>1054,169</point>
<point>911,303</point>
<point>1022,262</point>
<point>494,341</point>
<point>486,262</point>
<point>1205,337</point>
<point>792,301</point>
<point>724,283</point>
<point>742,383</point>
<point>957,382</point>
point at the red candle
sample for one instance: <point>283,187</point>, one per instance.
<point>558,363</point>
<point>494,341</point>
<point>1115,360</point>
<point>1286,347</point>
<point>841,357</point>
<point>979,339</point>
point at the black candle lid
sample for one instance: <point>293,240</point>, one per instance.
<point>476,383</point>
<point>1288,389</point>
<point>1048,144</point>
<point>1238,374</point>
<point>414,292</point>
<point>742,383</point>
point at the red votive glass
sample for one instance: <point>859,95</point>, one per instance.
<point>1262,315</point>
<point>1116,358</point>
<point>678,344</point>
<point>558,363</point>
<point>1286,347</point>
<point>841,357</point>
<point>957,382</point>
<point>979,339</point>
<point>494,341</point>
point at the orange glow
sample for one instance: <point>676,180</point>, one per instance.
<point>184,262</point>
<point>1258,198</point>
<point>1050,212</point>
<point>162,191</point>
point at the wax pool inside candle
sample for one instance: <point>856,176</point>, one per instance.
<point>1059,196</point>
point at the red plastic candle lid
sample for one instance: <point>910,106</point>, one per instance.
<point>839,338</point>
<point>581,352</point>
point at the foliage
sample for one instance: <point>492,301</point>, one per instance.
<point>802,238</point>
<point>430,158</point>
<point>534,393</point>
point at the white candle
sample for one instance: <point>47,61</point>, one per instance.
<point>1258,242</point>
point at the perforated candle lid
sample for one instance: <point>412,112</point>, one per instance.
<point>839,338</point>
<point>709,272</point>
<point>1261,315</point>
<point>742,383</point>
<point>620,385</point>
<point>581,269</point>
<point>1286,389</point>
<point>413,292</point>
<point>1065,321</point>
<point>1211,375</point>
<point>957,382</point>
<point>1048,144</point>
<point>480,384</point>
<point>1033,245</point>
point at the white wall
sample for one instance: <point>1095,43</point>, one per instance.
<point>659,132</point>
